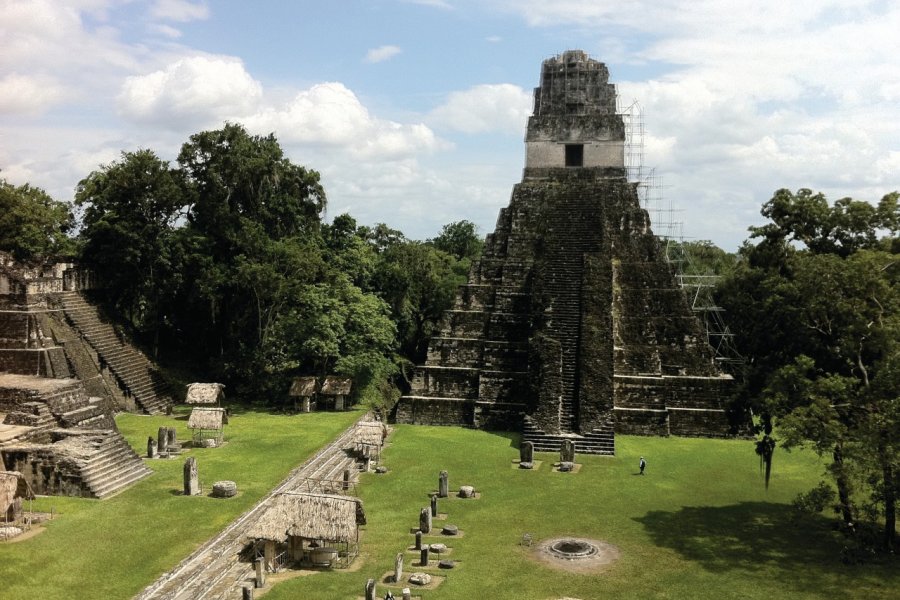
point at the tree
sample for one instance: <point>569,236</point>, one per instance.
<point>130,209</point>
<point>32,224</point>
<point>459,239</point>
<point>817,304</point>
<point>252,236</point>
<point>419,283</point>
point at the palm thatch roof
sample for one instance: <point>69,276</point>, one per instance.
<point>207,418</point>
<point>12,486</point>
<point>204,393</point>
<point>303,386</point>
<point>336,386</point>
<point>369,432</point>
<point>313,516</point>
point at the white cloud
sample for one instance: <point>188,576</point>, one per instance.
<point>330,115</point>
<point>180,10</point>
<point>382,53</point>
<point>494,39</point>
<point>484,108</point>
<point>196,91</point>
<point>27,95</point>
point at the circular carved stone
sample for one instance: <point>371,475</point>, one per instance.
<point>467,491</point>
<point>224,489</point>
<point>438,548</point>
<point>420,578</point>
<point>381,470</point>
<point>526,465</point>
<point>446,564</point>
<point>573,549</point>
<point>565,467</point>
<point>450,530</point>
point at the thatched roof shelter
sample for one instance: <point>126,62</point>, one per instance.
<point>312,516</point>
<point>336,386</point>
<point>303,387</point>
<point>207,418</point>
<point>371,433</point>
<point>204,393</point>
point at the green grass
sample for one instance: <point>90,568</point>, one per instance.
<point>114,548</point>
<point>699,524</point>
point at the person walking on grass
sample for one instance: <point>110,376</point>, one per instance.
<point>642,464</point>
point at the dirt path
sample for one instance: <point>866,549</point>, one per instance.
<point>213,571</point>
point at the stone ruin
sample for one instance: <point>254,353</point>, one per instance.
<point>64,372</point>
<point>572,325</point>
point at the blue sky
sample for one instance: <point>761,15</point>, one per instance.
<point>414,111</point>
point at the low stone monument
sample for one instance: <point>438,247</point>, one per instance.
<point>371,594</point>
<point>398,568</point>
<point>467,491</point>
<point>224,489</point>
<point>419,579</point>
<point>567,451</point>
<point>566,467</point>
<point>407,595</point>
<point>151,447</point>
<point>446,564</point>
<point>438,548</point>
<point>425,520</point>
<point>526,455</point>
<point>191,477</point>
<point>163,439</point>
<point>260,564</point>
<point>450,530</point>
<point>443,485</point>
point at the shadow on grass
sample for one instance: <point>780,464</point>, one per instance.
<point>513,437</point>
<point>752,537</point>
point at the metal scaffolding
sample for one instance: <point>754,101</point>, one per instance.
<point>698,287</point>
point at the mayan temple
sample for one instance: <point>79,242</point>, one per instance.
<point>572,325</point>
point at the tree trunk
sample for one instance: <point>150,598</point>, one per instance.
<point>890,501</point>
<point>843,485</point>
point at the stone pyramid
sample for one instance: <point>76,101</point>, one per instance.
<point>572,324</point>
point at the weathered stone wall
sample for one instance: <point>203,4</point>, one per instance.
<point>436,411</point>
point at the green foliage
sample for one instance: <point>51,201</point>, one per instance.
<point>419,283</point>
<point>815,500</point>
<point>130,208</point>
<point>459,239</point>
<point>33,225</point>
<point>816,309</point>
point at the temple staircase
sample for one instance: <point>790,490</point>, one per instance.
<point>134,372</point>
<point>599,441</point>
<point>113,467</point>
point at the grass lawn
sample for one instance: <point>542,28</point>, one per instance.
<point>114,548</point>
<point>699,524</point>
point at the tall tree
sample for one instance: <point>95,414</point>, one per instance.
<point>32,224</point>
<point>253,223</point>
<point>130,209</point>
<point>816,306</point>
